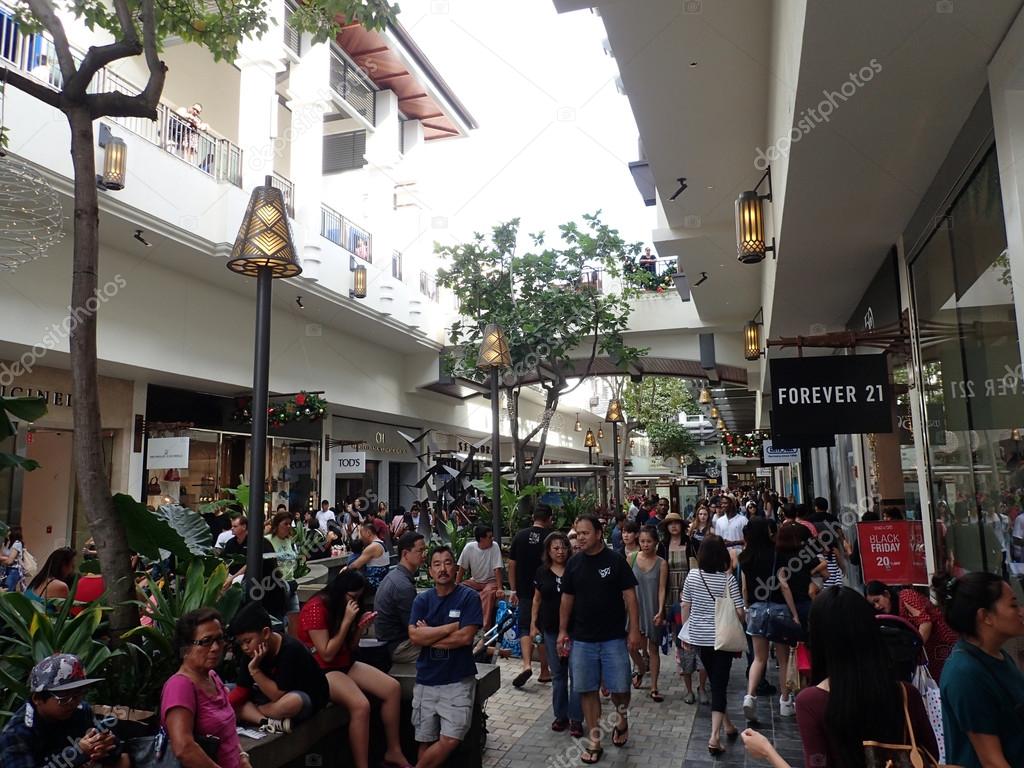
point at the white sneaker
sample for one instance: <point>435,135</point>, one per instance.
<point>750,708</point>
<point>787,708</point>
<point>273,725</point>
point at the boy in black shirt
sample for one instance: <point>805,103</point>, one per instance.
<point>282,682</point>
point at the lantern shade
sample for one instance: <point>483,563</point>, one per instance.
<point>714,411</point>
<point>578,427</point>
<point>115,163</point>
<point>588,440</point>
<point>265,237</point>
<point>750,238</point>
<point>752,340</point>
<point>614,415</point>
<point>720,425</point>
<point>493,349</point>
<point>600,434</point>
<point>705,396</point>
<point>618,439</point>
<point>358,282</point>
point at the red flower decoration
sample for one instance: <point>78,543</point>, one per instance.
<point>300,399</point>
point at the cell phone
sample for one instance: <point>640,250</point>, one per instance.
<point>367,618</point>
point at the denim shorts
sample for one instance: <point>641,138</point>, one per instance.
<point>596,664</point>
<point>757,619</point>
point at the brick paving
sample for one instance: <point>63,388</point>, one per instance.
<point>668,734</point>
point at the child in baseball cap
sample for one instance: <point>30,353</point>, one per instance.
<point>55,727</point>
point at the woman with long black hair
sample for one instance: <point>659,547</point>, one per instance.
<point>854,697</point>
<point>53,580</point>
<point>760,594</point>
<point>330,624</point>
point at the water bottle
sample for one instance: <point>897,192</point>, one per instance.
<point>538,639</point>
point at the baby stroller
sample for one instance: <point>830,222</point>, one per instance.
<point>497,637</point>
<point>903,641</point>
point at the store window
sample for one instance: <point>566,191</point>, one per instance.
<point>970,380</point>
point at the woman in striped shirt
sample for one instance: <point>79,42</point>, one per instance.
<point>702,587</point>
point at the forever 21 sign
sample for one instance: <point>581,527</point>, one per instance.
<point>814,396</point>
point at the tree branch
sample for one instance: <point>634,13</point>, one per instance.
<point>96,58</point>
<point>124,18</point>
<point>114,104</point>
<point>157,69</point>
<point>593,356</point>
<point>46,15</point>
<point>31,86</point>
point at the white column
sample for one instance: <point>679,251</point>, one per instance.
<point>309,99</point>
<point>259,61</point>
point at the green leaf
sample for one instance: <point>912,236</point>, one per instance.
<point>18,462</point>
<point>147,534</point>
<point>24,408</point>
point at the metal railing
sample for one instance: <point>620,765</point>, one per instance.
<point>428,285</point>
<point>173,131</point>
<point>353,86</point>
<point>292,36</point>
<point>288,190</point>
<point>340,231</point>
<point>653,275</point>
<point>396,265</point>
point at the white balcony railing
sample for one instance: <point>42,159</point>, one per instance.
<point>343,232</point>
<point>174,132</point>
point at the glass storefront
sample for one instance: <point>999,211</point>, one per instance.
<point>969,379</point>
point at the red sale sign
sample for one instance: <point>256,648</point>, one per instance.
<point>893,552</point>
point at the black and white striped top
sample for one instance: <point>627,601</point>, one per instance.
<point>701,600</point>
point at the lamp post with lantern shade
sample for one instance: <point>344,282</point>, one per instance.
<point>615,417</point>
<point>264,249</point>
<point>494,356</point>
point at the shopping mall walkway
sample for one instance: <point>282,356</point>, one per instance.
<point>668,734</point>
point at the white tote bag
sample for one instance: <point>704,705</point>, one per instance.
<point>729,634</point>
<point>929,690</point>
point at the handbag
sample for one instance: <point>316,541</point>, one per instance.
<point>172,476</point>
<point>780,627</point>
<point>932,697</point>
<point>155,751</point>
<point>153,489</point>
<point>729,633</point>
<point>878,754</point>
<point>792,674</point>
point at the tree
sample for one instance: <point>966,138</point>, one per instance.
<point>654,405</point>
<point>558,307</point>
<point>139,28</point>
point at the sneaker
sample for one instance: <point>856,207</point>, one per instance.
<point>703,697</point>
<point>689,698</point>
<point>273,725</point>
<point>750,708</point>
<point>786,706</point>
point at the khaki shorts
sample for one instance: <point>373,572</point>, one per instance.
<point>442,710</point>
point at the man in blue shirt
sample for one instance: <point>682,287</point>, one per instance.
<point>443,623</point>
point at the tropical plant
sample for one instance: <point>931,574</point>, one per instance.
<point>550,306</point>
<point>169,530</point>
<point>138,28</point>
<point>573,506</point>
<point>513,510</point>
<point>30,635</point>
<point>27,409</point>
<point>457,537</point>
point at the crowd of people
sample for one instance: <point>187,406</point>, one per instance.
<point>741,578</point>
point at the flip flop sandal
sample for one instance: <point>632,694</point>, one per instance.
<point>655,696</point>
<point>543,679</point>
<point>638,679</point>
<point>591,755</point>
<point>520,680</point>
<point>616,733</point>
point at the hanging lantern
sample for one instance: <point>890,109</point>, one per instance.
<point>614,415</point>
<point>750,238</point>
<point>618,439</point>
<point>588,440</point>
<point>705,396</point>
<point>578,427</point>
<point>714,411</point>
<point>720,425</point>
<point>358,289</point>
<point>494,348</point>
<point>600,433</point>
<point>752,340</point>
<point>115,164</point>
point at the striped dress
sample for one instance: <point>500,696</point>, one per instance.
<point>701,600</point>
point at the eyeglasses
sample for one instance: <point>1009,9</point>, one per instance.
<point>68,698</point>
<point>206,642</point>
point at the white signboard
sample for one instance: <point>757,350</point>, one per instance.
<point>350,463</point>
<point>764,472</point>
<point>167,453</point>
<point>780,455</point>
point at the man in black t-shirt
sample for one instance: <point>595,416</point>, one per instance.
<point>525,558</point>
<point>282,682</point>
<point>598,591</point>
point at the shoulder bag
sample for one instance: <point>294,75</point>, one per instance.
<point>780,627</point>
<point>729,633</point>
<point>878,754</point>
<point>155,751</point>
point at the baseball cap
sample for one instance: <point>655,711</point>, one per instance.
<point>58,673</point>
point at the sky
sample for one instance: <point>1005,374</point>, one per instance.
<point>555,136</point>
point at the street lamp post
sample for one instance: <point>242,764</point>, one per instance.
<point>494,356</point>
<point>615,417</point>
<point>264,250</point>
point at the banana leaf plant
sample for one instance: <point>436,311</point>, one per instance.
<point>30,635</point>
<point>513,510</point>
<point>572,507</point>
<point>24,408</point>
<point>169,530</point>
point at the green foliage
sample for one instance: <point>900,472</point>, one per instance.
<point>24,408</point>
<point>542,299</point>
<point>457,538</point>
<point>170,529</point>
<point>658,398</point>
<point>572,507</point>
<point>30,635</point>
<point>670,439</point>
<point>512,509</point>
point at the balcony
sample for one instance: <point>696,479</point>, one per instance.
<point>287,189</point>
<point>355,91</point>
<point>292,37</point>
<point>340,231</point>
<point>174,131</point>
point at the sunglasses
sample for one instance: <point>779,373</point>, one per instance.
<point>206,642</point>
<point>68,698</point>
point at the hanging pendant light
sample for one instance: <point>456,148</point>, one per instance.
<point>358,289</point>
<point>751,242</point>
<point>600,432</point>
<point>588,440</point>
<point>705,396</point>
<point>752,340</point>
<point>720,425</point>
<point>618,439</point>
<point>578,427</point>
<point>714,411</point>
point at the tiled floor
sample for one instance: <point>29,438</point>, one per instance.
<point>668,734</point>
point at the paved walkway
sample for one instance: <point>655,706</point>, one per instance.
<point>668,734</point>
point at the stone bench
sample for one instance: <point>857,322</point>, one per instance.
<point>323,739</point>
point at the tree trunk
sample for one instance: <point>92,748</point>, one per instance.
<point>93,486</point>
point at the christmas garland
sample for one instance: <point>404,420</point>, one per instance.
<point>747,445</point>
<point>304,406</point>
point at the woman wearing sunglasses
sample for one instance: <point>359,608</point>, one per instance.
<point>194,705</point>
